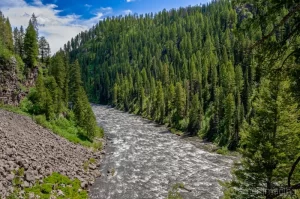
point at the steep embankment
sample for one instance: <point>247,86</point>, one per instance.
<point>24,144</point>
<point>11,91</point>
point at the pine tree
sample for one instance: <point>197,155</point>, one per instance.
<point>41,93</point>
<point>30,46</point>
<point>142,99</point>
<point>159,103</point>
<point>8,36</point>
<point>229,111</point>
<point>84,115</point>
<point>179,103</point>
<point>195,116</point>
<point>16,41</point>
<point>21,42</point>
<point>115,94</point>
<point>35,24</point>
<point>271,144</point>
<point>44,49</point>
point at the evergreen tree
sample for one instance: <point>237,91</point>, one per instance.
<point>21,42</point>
<point>195,116</point>
<point>16,41</point>
<point>35,25</point>
<point>41,95</point>
<point>160,104</point>
<point>271,143</point>
<point>8,36</point>
<point>84,115</point>
<point>30,46</point>
<point>44,49</point>
<point>179,102</point>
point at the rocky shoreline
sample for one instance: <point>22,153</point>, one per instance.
<point>24,144</point>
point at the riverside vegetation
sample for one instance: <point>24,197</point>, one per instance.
<point>55,102</point>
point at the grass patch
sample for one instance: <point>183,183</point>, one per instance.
<point>87,164</point>
<point>68,129</point>
<point>223,151</point>
<point>113,171</point>
<point>59,186</point>
<point>13,109</point>
<point>176,132</point>
<point>174,192</point>
<point>55,186</point>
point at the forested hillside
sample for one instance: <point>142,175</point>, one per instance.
<point>227,71</point>
<point>186,67</point>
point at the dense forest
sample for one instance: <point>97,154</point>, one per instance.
<point>54,98</point>
<point>227,71</point>
<point>185,68</point>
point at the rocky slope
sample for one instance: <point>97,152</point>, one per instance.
<point>10,84</point>
<point>24,144</point>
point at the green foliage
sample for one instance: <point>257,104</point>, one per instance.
<point>68,129</point>
<point>271,143</point>
<point>49,101</point>
<point>56,182</point>
<point>31,49</point>
<point>6,39</point>
<point>113,171</point>
<point>13,109</point>
<point>17,181</point>
<point>5,54</point>
<point>174,193</point>
<point>84,115</point>
<point>20,68</point>
<point>87,164</point>
<point>195,115</point>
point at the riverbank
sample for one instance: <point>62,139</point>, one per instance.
<point>30,153</point>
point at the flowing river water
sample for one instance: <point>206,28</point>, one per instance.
<point>143,161</point>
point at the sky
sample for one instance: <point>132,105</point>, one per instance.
<point>60,20</point>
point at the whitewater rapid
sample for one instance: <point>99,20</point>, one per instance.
<point>143,161</point>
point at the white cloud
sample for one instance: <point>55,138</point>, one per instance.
<point>106,10</point>
<point>58,30</point>
<point>128,1</point>
<point>127,12</point>
<point>11,3</point>
<point>37,2</point>
<point>88,5</point>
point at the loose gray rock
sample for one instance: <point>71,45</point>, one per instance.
<point>29,176</point>
<point>84,185</point>
<point>60,193</point>
<point>10,177</point>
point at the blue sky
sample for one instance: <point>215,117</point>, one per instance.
<point>64,19</point>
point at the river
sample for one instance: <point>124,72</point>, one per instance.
<point>143,161</point>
